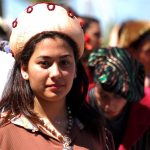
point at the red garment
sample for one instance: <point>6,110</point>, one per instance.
<point>138,122</point>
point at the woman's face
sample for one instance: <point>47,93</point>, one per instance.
<point>111,104</point>
<point>144,55</point>
<point>94,34</point>
<point>51,69</point>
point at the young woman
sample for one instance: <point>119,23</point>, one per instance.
<point>43,106</point>
<point>118,92</point>
<point>93,40</point>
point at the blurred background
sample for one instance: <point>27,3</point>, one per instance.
<point>108,12</point>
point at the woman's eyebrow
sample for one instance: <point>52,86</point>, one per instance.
<point>64,56</point>
<point>49,57</point>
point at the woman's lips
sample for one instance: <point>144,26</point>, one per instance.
<point>55,86</point>
<point>110,112</point>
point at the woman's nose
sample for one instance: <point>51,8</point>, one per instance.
<point>54,71</point>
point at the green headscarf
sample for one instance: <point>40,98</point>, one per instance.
<point>116,71</point>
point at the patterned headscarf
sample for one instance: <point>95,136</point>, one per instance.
<point>117,72</point>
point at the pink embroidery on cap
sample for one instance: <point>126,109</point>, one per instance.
<point>14,23</point>
<point>29,9</point>
<point>70,14</point>
<point>50,6</point>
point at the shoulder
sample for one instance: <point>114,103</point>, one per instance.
<point>82,137</point>
<point>7,133</point>
<point>16,137</point>
<point>11,131</point>
<point>8,129</point>
<point>91,140</point>
<point>145,101</point>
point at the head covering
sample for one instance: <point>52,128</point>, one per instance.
<point>45,17</point>
<point>116,71</point>
<point>132,31</point>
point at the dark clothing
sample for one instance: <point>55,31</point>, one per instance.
<point>118,125</point>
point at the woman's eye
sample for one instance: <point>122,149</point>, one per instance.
<point>44,64</point>
<point>117,96</point>
<point>65,63</point>
<point>104,96</point>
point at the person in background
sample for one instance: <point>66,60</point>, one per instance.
<point>118,93</point>
<point>134,35</point>
<point>43,105</point>
<point>5,30</point>
<point>6,64</point>
<point>92,38</point>
<point>92,32</point>
<point>6,59</point>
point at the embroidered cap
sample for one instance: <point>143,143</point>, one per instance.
<point>43,17</point>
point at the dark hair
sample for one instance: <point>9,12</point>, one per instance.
<point>87,22</point>
<point>18,97</point>
<point>5,30</point>
<point>3,34</point>
<point>139,42</point>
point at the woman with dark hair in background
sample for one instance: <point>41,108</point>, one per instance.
<point>92,38</point>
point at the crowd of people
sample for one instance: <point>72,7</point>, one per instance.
<point>60,88</point>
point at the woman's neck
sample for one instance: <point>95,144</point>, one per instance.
<point>55,114</point>
<point>50,110</point>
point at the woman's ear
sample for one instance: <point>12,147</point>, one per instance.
<point>24,72</point>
